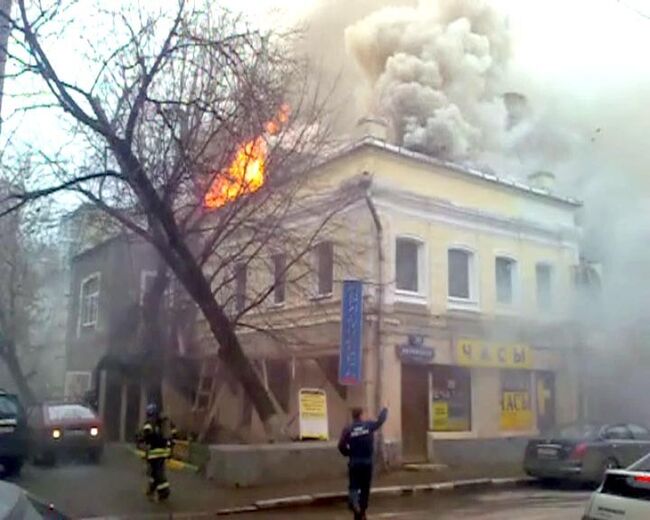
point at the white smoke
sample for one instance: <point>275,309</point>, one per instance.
<point>436,71</point>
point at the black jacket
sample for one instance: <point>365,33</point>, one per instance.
<point>358,440</point>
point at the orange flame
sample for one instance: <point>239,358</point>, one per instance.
<point>247,171</point>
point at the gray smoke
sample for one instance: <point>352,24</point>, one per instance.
<point>436,71</point>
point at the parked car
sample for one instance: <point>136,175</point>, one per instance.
<point>17,504</point>
<point>586,452</point>
<point>13,434</point>
<point>623,494</point>
<point>57,429</point>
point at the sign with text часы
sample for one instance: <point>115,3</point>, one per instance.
<point>479,353</point>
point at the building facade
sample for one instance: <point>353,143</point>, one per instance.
<point>468,292</point>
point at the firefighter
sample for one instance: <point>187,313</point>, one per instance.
<point>357,442</point>
<point>157,438</point>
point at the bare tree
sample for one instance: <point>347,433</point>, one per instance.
<point>198,134</point>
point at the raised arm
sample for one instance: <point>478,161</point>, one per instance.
<point>381,419</point>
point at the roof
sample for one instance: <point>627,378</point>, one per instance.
<point>473,173</point>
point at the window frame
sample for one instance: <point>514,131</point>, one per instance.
<point>421,295</point>
<point>169,290</point>
<point>316,259</point>
<point>82,323</point>
<point>545,307</point>
<point>473,268</point>
<point>514,282</point>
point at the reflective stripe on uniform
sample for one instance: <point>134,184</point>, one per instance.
<point>159,453</point>
<point>162,486</point>
<point>147,428</point>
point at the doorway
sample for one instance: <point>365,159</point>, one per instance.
<point>415,412</point>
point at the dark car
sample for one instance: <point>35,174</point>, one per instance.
<point>13,434</point>
<point>57,429</point>
<point>586,452</point>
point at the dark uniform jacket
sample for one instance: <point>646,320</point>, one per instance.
<point>358,440</point>
<point>156,437</point>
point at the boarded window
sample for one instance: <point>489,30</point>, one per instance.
<point>407,265</point>
<point>241,278</point>
<point>325,268</point>
<point>505,269</point>
<point>460,264</point>
<point>279,278</point>
<point>451,408</point>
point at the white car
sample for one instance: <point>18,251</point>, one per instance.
<point>623,495</point>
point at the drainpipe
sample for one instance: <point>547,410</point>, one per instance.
<point>379,383</point>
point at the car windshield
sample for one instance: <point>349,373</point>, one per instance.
<point>576,431</point>
<point>8,406</point>
<point>642,465</point>
<point>66,412</point>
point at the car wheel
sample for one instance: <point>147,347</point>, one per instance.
<point>95,455</point>
<point>12,467</point>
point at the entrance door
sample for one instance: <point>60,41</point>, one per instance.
<point>415,412</point>
<point>545,401</point>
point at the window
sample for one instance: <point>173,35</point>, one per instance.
<point>89,301</point>
<point>461,274</point>
<point>516,402</point>
<point>68,412</point>
<point>544,280</point>
<point>505,271</point>
<point>617,432</point>
<point>146,282</point>
<point>639,432</point>
<point>279,278</point>
<point>241,278</point>
<point>325,268</point>
<point>408,265</point>
<point>452,399</point>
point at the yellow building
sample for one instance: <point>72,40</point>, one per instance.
<point>467,296</point>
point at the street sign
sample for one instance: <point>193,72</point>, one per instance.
<point>414,352</point>
<point>350,353</point>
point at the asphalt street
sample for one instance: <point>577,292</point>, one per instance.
<point>115,488</point>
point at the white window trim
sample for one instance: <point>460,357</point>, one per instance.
<point>90,324</point>
<point>553,291</point>
<point>516,285</point>
<point>473,302</point>
<point>422,295</point>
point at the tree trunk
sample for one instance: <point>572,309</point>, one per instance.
<point>13,365</point>
<point>231,351</point>
<point>5,30</point>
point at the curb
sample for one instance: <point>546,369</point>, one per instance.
<point>321,499</point>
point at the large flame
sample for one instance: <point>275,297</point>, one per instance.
<point>247,171</point>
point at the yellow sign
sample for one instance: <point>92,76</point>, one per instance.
<point>440,414</point>
<point>477,353</point>
<point>313,421</point>
<point>516,413</point>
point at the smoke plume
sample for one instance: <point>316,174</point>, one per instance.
<point>436,71</point>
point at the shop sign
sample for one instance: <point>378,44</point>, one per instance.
<point>312,405</point>
<point>516,413</point>
<point>350,360</point>
<point>414,352</point>
<point>478,353</point>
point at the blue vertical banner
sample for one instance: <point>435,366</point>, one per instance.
<point>350,353</point>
